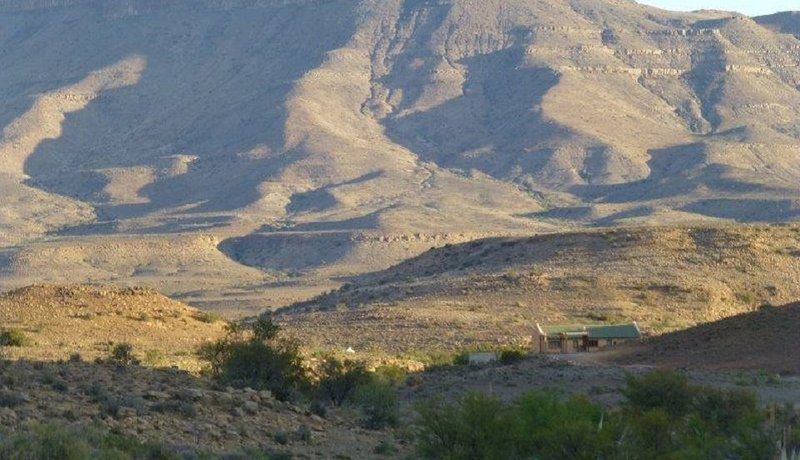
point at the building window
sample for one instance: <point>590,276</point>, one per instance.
<point>554,344</point>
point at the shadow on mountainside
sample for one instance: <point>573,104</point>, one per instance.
<point>210,161</point>
<point>763,339</point>
<point>184,412</point>
<point>494,126</point>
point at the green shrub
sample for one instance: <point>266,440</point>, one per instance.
<point>663,417</point>
<point>262,361</point>
<point>461,359</point>
<point>339,380</point>
<point>386,447</point>
<point>46,442</point>
<point>665,390</point>
<point>264,330</point>
<point>153,358</point>
<point>51,441</point>
<point>475,427</point>
<point>59,384</point>
<point>110,404</point>
<point>281,437</point>
<point>60,442</point>
<point>512,355</point>
<point>318,408</point>
<point>11,399</point>
<point>13,338</point>
<point>391,374</point>
<point>547,425</point>
<point>184,408</point>
<point>379,404</point>
<point>262,366</point>
<point>122,353</point>
<point>208,317</point>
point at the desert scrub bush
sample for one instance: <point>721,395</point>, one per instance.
<point>666,390</point>
<point>183,408</point>
<point>208,317</point>
<point>318,408</point>
<point>339,380</point>
<point>745,297</point>
<point>62,442</point>
<point>14,338</point>
<point>281,437</point>
<point>379,405</point>
<point>391,374</point>
<point>386,447</point>
<point>460,359</point>
<point>110,404</point>
<point>257,358</point>
<point>11,399</point>
<point>55,382</point>
<point>475,427</point>
<point>154,358</point>
<point>122,353</point>
<point>45,442</point>
<point>512,355</point>
<point>53,441</point>
<point>432,359</point>
<point>662,417</point>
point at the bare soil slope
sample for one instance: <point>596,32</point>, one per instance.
<point>495,290</point>
<point>764,339</point>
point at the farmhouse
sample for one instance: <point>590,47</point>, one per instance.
<point>581,339</point>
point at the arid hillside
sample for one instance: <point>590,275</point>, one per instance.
<point>358,133</point>
<point>59,321</point>
<point>495,290</point>
<point>760,340</point>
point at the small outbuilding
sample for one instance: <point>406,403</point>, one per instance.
<point>480,358</point>
<point>583,339</point>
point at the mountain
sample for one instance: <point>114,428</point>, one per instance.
<point>495,290</point>
<point>293,142</point>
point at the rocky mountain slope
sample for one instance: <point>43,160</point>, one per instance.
<point>757,340</point>
<point>362,132</point>
<point>496,290</point>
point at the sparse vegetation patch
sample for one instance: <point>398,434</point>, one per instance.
<point>14,338</point>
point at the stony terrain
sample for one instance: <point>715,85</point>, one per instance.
<point>180,409</point>
<point>763,339</point>
<point>316,139</point>
<point>173,407</point>
<point>588,375</point>
<point>495,290</point>
<point>60,321</point>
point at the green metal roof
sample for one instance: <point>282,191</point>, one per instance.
<point>620,331</point>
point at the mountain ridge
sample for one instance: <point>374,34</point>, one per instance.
<point>249,119</point>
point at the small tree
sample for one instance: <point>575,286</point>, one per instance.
<point>122,353</point>
<point>260,360</point>
<point>339,380</point>
<point>378,401</point>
